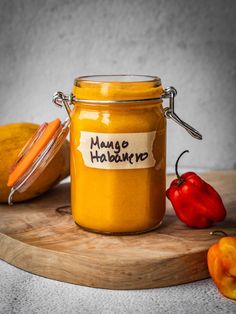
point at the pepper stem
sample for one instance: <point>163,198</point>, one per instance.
<point>219,232</point>
<point>177,162</point>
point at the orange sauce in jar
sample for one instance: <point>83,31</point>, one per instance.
<point>118,154</point>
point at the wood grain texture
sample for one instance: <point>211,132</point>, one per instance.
<point>40,236</point>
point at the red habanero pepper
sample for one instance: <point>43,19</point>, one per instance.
<point>195,202</point>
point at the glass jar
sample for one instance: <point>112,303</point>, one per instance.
<point>118,151</point>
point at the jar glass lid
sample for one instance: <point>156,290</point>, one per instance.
<point>36,155</point>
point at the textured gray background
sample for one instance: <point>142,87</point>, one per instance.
<point>190,44</point>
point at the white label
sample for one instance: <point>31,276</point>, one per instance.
<point>117,150</point>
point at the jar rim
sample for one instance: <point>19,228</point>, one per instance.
<point>118,78</point>
<point>114,88</point>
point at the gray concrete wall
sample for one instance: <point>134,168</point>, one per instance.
<point>189,44</point>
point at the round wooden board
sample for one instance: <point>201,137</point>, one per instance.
<point>40,237</point>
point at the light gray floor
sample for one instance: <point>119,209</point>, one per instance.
<point>22,292</point>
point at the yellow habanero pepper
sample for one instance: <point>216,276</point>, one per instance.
<point>221,259</point>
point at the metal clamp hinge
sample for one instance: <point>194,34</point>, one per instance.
<point>171,92</point>
<point>61,99</point>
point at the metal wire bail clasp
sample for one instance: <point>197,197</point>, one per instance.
<point>171,92</point>
<point>61,99</point>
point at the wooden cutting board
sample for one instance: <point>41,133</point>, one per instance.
<point>40,237</point>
